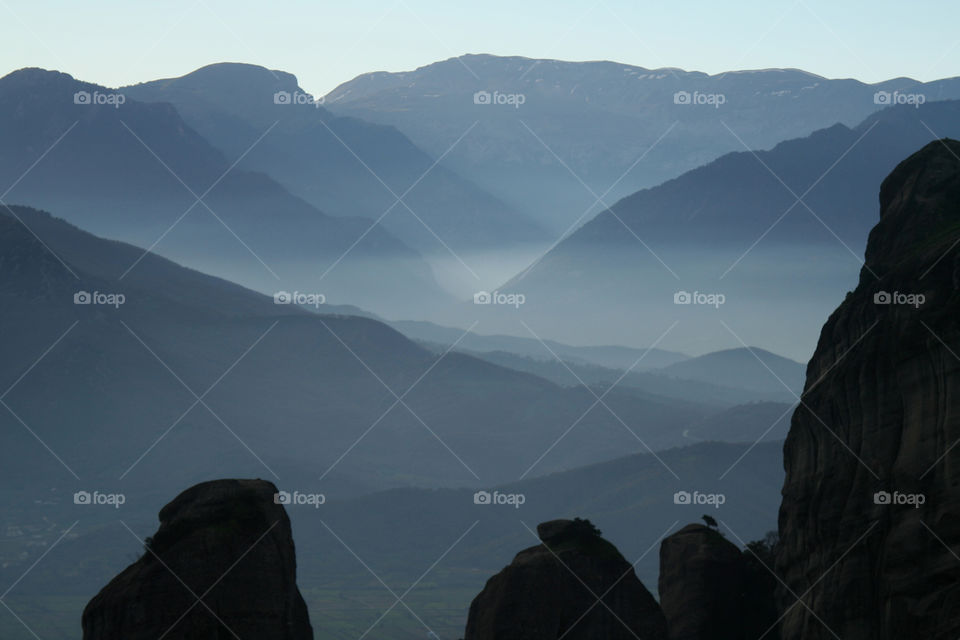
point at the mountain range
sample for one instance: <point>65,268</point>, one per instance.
<point>137,172</point>
<point>341,165</point>
<point>712,249</point>
<point>554,135</point>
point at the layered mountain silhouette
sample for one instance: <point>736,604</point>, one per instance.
<point>341,165</point>
<point>867,522</point>
<point>778,234</point>
<point>616,127</point>
<point>328,384</point>
<point>138,172</point>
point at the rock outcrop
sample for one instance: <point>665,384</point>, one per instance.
<point>870,519</point>
<point>221,565</point>
<point>709,589</point>
<point>575,585</point>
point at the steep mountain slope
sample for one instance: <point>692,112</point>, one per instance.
<point>733,228</point>
<point>613,356</point>
<point>868,522</point>
<point>599,118</point>
<point>747,368</point>
<point>337,163</point>
<point>135,171</point>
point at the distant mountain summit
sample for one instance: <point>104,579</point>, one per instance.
<point>617,127</point>
<point>778,233</point>
<point>867,525</point>
<point>137,172</point>
<point>345,166</point>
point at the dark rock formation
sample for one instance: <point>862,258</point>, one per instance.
<point>230,545</point>
<point>875,434</point>
<point>575,585</point>
<point>710,590</point>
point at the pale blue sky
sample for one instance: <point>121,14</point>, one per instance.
<point>117,42</point>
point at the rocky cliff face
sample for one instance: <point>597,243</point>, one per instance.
<point>223,542</point>
<point>869,523</point>
<point>709,589</point>
<point>575,585</point>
